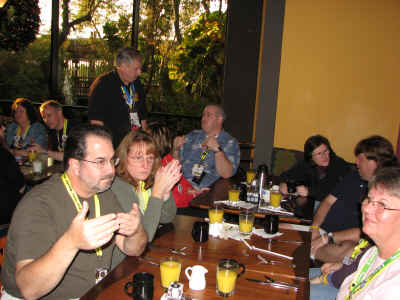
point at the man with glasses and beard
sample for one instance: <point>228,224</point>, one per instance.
<point>63,232</point>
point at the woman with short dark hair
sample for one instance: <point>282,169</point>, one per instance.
<point>320,171</point>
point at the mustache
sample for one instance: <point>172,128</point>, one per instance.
<point>109,176</point>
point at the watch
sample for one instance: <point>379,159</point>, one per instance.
<point>219,149</point>
<point>330,238</point>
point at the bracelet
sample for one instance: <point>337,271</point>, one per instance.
<point>314,227</point>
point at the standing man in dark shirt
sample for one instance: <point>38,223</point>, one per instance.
<point>52,114</point>
<point>116,99</point>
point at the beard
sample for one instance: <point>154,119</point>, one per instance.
<point>101,185</point>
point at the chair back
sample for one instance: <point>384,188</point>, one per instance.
<point>283,159</point>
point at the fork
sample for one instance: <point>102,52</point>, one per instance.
<point>274,262</point>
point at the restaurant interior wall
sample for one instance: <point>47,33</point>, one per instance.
<point>339,73</point>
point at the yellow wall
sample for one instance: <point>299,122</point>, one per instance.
<point>340,72</point>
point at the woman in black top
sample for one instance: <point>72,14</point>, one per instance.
<point>318,174</point>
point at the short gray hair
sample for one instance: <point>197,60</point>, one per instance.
<point>387,179</point>
<point>219,110</point>
<point>127,55</point>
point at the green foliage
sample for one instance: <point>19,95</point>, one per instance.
<point>199,59</point>
<point>25,73</point>
<point>19,24</point>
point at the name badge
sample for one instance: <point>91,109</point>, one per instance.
<point>100,274</point>
<point>134,118</point>
<point>198,169</point>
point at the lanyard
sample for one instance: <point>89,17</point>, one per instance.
<point>78,205</point>
<point>357,250</point>
<point>25,133</point>
<point>64,134</point>
<point>143,195</point>
<point>359,283</point>
<point>129,95</point>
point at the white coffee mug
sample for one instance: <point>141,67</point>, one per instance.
<point>197,278</point>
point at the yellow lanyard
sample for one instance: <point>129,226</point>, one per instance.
<point>21,138</point>
<point>357,250</point>
<point>78,204</point>
<point>64,134</point>
<point>143,196</point>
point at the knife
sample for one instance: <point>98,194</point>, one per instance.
<point>287,241</point>
<point>276,284</point>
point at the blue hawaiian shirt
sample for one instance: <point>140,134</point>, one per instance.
<point>36,133</point>
<point>191,151</point>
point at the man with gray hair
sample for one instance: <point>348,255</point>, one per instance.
<point>209,153</point>
<point>116,98</point>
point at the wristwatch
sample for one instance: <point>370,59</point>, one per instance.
<point>330,238</point>
<point>219,149</point>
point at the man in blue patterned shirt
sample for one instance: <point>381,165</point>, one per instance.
<point>210,153</point>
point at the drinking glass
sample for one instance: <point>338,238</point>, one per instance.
<point>32,155</point>
<point>216,213</point>
<point>233,193</point>
<point>227,273</point>
<point>246,222</point>
<point>275,198</point>
<point>250,174</point>
<point>271,224</point>
<point>170,268</point>
<point>200,231</point>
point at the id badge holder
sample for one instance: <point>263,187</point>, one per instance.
<point>100,274</point>
<point>197,169</point>
<point>134,117</point>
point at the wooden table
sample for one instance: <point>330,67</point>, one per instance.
<point>32,179</point>
<point>208,254</point>
<point>302,207</point>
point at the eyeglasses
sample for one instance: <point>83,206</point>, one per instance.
<point>325,152</point>
<point>102,162</point>
<point>140,159</point>
<point>378,206</point>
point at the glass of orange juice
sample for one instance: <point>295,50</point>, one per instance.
<point>234,193</point>
<point>32,155</point>
<point>227,273</point>
<point>246,222</point>
<point>250,174</point>
<point>275,197</point>
<point>216,213</point>
<point>170,269</point>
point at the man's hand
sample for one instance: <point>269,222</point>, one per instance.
<point>91,234</point>
<point>315,234</point>
<point>165,179</point>
<point>318,243</point>
<point>302,190</point>
<point>327,268</point>
<point>283,188</point>
<point>195,192</point>
<point>129,222</point>
<point>37,148</point>
<point>211,143</point>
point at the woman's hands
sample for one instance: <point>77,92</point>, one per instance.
<point>165,179</point>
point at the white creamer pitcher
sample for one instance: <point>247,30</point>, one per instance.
<point>197,278</point>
